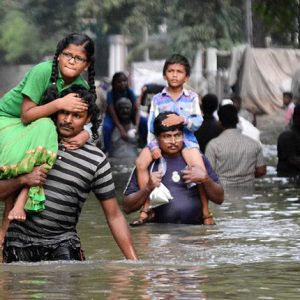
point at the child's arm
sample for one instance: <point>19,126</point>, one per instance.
<point>151,139</point>
<point>193,119</point>
<point>31,111</point>
<point>77,141</point>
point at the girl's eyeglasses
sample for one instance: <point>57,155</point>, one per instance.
<point>76,58</point>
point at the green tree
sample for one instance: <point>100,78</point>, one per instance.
<point>278,19</point>
<point>18,38</point>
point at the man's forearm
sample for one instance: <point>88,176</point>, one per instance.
<point>10,186</point>
<point>119,227</point>
<point>136,200</point>
<point>214,191</point>
<point>120,231</point>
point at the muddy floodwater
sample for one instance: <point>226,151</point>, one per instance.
<point>252,252</point>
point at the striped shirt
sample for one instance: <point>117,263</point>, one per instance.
<point>187,106</point>
<point>74,175</point>
<point>234,157</point>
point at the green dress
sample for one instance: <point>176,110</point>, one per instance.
<point>22,147</point>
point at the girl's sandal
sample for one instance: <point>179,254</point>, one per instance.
<point>209,219</point>
<point>140,221</point>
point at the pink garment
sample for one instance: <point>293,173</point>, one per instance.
<point>288,114</point>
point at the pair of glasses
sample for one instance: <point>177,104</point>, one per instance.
<point>76,58</point>
<point>172,138</point>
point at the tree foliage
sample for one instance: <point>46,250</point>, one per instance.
<point>280,20</point>
<point>30,29</point>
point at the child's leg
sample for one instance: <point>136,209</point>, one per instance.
<point>9,204</point>
<point>142,163</point>
<point>18,212</point>
<point>193,157</point>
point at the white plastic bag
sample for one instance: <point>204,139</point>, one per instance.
<point>161,194</point>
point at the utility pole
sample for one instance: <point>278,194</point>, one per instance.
<point>146,40</point>
<point>249,30</point>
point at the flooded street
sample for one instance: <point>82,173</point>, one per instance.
<point>252,252</point>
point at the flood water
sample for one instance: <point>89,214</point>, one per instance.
<point>252,253</point>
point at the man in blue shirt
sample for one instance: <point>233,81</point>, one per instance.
<point>185,207</point>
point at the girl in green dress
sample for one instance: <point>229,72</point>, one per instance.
<point>28,136</point>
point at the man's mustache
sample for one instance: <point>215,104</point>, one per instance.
<point>65,125</point>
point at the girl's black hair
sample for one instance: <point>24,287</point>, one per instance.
<point>93,111</point>
<point>77,39</point>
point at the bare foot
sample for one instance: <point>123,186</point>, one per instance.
<point>17,213</point>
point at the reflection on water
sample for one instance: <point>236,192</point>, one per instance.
<point>252,253</point>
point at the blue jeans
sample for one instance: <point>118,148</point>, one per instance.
<point>109,126</point>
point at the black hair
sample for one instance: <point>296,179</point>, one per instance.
<point>159,127</point>
<point>77,39</point>
<point>209,103</point>
<point>116,77</point>
<point>177,59</point>
<point>228,116</point>
<point>236,99</point>
<point>288,94</point>
<point>90,99</point>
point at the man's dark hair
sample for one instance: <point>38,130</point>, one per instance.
<point>228,116</point>
<point>90,99</point>
<point>209,104</point>
<point>178,59</point>
<point>288,94</point>
<point>159,127</point>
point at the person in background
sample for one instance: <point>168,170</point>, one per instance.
<point>236,158</point>
<point>210,128</point>
<point>289,105</point>
<point>185,207</point>
<point>288,147</point>
<point>51,234</point>
<point>120,89</point>
<point>246,127</point>
<point>246,114</point>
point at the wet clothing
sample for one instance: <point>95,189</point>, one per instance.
<point>187,106</point>
<point>22,147</point>
<point>288,151</point>
<point>235,157</point>
<point>73,176</point>
<point>185,207</point>
<point>62,251</point>
<point>209,129</point>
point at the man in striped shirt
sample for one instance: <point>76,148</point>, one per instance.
<point>237,159</point>
<point>51,234</point>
